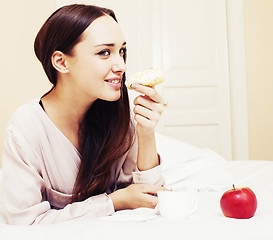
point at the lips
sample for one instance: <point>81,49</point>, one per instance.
<point>114,82</point>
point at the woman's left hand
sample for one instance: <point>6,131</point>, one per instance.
<point>148,108</point>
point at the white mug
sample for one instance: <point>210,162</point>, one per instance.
<point>177,204</point>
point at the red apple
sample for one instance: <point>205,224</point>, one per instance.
<point>239,203</point>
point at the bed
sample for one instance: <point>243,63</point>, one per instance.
<point>184,166</point>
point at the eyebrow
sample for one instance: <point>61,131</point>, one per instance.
<point>108,44</point>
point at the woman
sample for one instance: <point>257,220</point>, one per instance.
<point>75,152</point>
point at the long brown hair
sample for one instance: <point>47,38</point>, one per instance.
<point>106,132</point>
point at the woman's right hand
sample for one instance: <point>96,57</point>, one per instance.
<point>135,196</point>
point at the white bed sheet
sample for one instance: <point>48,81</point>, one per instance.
<point>184,166</point>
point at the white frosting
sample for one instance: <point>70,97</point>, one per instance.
<point>148,77</point>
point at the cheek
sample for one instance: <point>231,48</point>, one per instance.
<point>90,69</point>
<point>94,76</point>
<point>97,66</point>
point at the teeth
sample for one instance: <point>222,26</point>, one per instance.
<point>114,81</point>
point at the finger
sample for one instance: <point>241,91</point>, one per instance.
<point>152,189</point>
<point>145,101</point>
<point>150,201</point>
<point>147,113</point>
<point>148,91</point>
<point>144,112</point>
<point>144,122</point>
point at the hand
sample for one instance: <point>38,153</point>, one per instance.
<point>148,107</point>
<point>135,196</point>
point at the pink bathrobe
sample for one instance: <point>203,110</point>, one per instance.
<point>40,166</point>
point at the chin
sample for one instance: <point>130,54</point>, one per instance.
<point>113,98</point>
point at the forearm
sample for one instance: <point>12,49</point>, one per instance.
<point>147,157</point>
<point>148,109</point>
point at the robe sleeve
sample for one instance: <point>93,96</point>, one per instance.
<point>25,190</point>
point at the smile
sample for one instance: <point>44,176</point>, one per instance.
<point>114,82</point>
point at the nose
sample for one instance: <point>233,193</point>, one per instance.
<point>119,65</point>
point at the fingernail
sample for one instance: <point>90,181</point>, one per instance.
<point>132,85</point>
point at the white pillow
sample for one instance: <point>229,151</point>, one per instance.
<point>187,166</point>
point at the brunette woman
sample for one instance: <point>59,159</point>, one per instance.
<point>76,152</point>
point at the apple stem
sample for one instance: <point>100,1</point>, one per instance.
<point>233,187</point>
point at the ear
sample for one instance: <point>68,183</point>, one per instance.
<point>58,61</point>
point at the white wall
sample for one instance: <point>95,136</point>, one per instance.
<point>258,18</point>
<point>21,74</point>
<point>23,79</point>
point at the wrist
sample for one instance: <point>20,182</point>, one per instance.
<point>147,153</point>
<point>146,165</point>
<point>117,199</point>
<point>145,135</point>
<point>142,131</point>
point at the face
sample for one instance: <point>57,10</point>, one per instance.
<point>96,65</point>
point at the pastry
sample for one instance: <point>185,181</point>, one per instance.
<point>149,77</point>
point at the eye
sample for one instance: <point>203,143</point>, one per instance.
<point>122,51</point>
<point>104,53</point>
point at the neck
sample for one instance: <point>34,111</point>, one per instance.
<point>67,106</point>
<point>66,109</point>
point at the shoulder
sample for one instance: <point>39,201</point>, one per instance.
<point>26,121</point>
<point>25,115</point>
